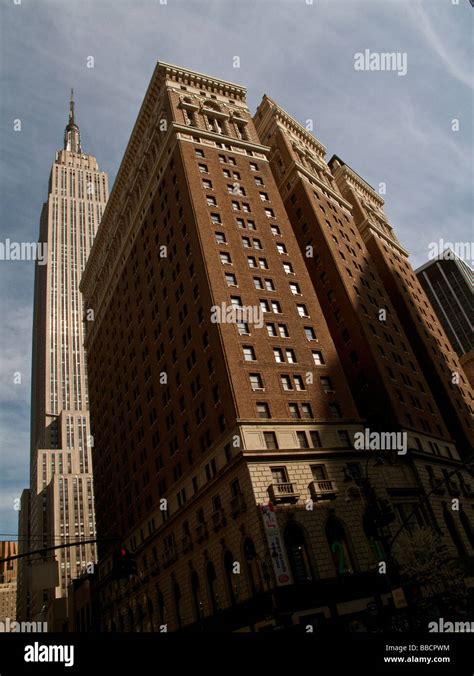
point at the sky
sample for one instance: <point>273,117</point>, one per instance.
<point>391,129</point>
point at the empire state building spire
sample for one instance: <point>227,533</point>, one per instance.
<point>72,135</point>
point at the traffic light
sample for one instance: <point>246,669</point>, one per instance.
<point>124,565</point>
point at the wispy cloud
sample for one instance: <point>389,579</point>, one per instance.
<point>438,41</point>
<point>389,128</point>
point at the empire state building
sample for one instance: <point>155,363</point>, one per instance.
<point>61,504</point>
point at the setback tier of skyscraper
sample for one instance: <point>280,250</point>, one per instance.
<point>60,503</point>
<point>263,423</point>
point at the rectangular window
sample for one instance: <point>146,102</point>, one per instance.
<point>236,301</point>
<point>256,381</point>
<point>286,383</point>
<point>299,383</point>
<point>344,438</point>
<point>279,475</point>
<point>231,279</point>
<point>302,310</point>
<point>309,333</point>
<point>302,440</point>
<point>294,411</point>
<point>243,329</point>
<point>295,289</point>
<point>249,353</point>
<point>225,258</point>
<point>263,410</point>
<point>326,384</point>
<point>315,439</point>
<point>271,330</point>
<point>270,440</point>
<point>278,354</point>
<point>318,358</point>
<point>319,473</point>
<point>269,285</point>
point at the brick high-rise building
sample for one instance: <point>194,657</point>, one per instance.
<point>8,581</point>
<point>379,352</point>
<point>222,418</point>
<point>388,385</point>
<point>61,505</point>
<point>438,361</point>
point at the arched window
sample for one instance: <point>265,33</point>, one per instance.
<point>149,614</point>
<point>212,587</point>
<point>466,524</point>
<point>139,615</point>
<point>298,556</point>
<point>340,547</point>
<point>130,620</point>
<point>177,604</point>
<point>240,127</point>
<point>453,531</point>
<point>161,607</point>
<point>229,576</point>
<point>252,568</point>
<point>197,605</point>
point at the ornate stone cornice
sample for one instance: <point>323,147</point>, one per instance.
<point>358,183</point>
<point>122,188</point>
<point>193,78</point>
<point>129,194</point>
<point>295,127</point>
